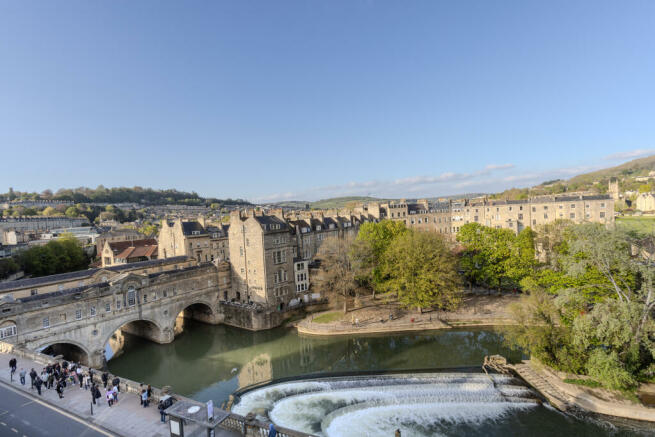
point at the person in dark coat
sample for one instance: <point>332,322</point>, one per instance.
<point>32,377</point>
<point>116,383</point>
<point>162,413</point>
<point>38,383</point>
<point>12,365</point>
<point>60,389</point>
<point>105,379</point>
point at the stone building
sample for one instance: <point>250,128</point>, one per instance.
<point>448,218</point>
<point>125,252</point>
<point>116,235</point>
<point>261,254</point>
<point>195,238</point>
<point>645,202</point>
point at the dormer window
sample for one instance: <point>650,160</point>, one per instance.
<point>318,227</point>
<point>195,232</point>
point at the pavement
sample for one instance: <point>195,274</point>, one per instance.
<point>127,418</point>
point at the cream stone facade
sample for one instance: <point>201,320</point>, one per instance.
<point>645,202</point>
<point>195,238</point>
<point>53,283</point>
<point>448,218</point>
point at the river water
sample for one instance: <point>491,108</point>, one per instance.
<point>211,362</point>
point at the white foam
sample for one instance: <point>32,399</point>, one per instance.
<point>415,420</point>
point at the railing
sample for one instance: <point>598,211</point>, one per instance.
<point>252,427</point>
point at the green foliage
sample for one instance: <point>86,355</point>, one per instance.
<point>423,270</point>
<point>496,258</point>
<point>590,311</point>
<point>57,256</point>
<point>606,367</point>
<point>8,266</point>
<point>371,244</point>
<point>72,212</point>
<point>123,195</point>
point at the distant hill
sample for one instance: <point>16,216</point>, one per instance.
<point>595,181</point>
<point>333,202</point>
<point>630,169</point>
<point>145,196</point>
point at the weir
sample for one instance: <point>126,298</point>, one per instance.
<point>418,404</point>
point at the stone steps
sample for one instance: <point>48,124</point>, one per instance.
<point>551,393</point>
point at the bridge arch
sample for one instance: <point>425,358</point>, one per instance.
<point>140,326</point>
<point>71,350</point>
<point>200,310</point>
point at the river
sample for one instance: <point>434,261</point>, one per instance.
<point>211,362</point>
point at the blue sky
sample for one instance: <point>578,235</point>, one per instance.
<point>275,100</point>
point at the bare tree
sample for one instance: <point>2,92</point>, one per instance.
<point>336,275</point>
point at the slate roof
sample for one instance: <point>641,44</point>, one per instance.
<point>35,282</point>
<point>267,220</point>
<point>188,228</point>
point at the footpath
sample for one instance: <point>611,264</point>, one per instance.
<point>373,317</point>
<point>565,396</point>
<point>127,418</point>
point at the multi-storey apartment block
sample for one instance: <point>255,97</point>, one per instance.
<point>195,238</point>
<point>448,218</point>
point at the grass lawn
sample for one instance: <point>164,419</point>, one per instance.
<point>328,317</point>
<point>641,225</point>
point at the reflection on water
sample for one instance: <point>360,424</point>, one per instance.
<point>210,362</point>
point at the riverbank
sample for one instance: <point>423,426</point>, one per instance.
<point>566,396</point>
<point>378,316</point>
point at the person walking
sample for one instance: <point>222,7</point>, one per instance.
<point>149,393</point>
<point>32,377</point>
<point>38,383</point>
<point>116,383</point>
<point>105,379</point>
<point>95,393</point>
<point>114,392</point>
<point>22,375</point>
<point>144,398</point>
<point>109,395</point>
<point>12,367</point>
<point>162,414</point>
<point>60,389</point>
<point>80,376</point>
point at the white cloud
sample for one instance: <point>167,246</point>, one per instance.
<point>498,166</point>
<point>637,153</point>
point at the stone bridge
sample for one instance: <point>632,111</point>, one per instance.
<point>147,305</point>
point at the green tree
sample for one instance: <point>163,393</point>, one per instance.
<point>373,239</point>
<point>72,211</point>
<point>422,268</point>
<point>496,258</point>
<point>49,211</point>
<point>596,315</point>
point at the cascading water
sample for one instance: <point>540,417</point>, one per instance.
<point>424,405</point>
